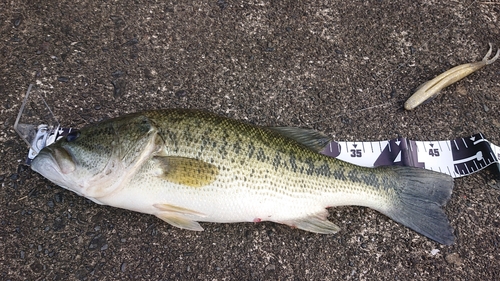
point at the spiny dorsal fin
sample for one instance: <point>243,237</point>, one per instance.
<point>312,139</point>
<point>186,171</point>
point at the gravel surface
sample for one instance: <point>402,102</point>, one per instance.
<point>341,67</point>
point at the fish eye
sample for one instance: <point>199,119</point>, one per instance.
<point>72,136</point>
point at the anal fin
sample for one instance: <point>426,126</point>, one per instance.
<point>314,224</point>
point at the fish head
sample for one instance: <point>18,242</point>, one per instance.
<point>100,158</point>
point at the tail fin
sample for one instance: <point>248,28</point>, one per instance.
<point>418,202</point>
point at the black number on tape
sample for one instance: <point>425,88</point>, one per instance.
<point>355,152</point>
<point>434,152</point>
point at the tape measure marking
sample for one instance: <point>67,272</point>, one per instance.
<point>458,157</point>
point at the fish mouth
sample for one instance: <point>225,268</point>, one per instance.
<point>53,163</point>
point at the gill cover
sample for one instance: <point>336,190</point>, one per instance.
<point>100,158</point>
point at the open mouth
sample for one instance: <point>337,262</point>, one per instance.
<point>57,159</point>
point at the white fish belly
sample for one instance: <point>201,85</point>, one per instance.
<point>230,200</point>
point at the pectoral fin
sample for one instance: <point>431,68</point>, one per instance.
<point>178,216</point>
<point>180,221</point>
<point>186,171</point>
<point>176,209</point>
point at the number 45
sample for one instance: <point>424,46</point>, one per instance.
<point>434,152</point>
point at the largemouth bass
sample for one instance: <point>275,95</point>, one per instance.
<point>187,166</point>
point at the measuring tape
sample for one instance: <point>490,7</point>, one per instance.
<point>457,158</point>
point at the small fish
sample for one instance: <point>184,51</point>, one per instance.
<point>432,88</point>
<point>188,166</point>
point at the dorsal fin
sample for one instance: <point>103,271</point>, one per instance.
<point>310,138</point>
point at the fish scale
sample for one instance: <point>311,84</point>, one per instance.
<point>189,166</point>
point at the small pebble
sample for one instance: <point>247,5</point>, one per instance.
<point>92,246</point>
<point>33,192</point>
<point>37,267</point>
<point>180,93</point>
<point>21,168</point>
<point>117,74</point>
<point>58,197</point>
<point>222,4</point>
<point>63,79</point>
<point>17,20</point>
<point>453,259</point>
<point>150,74</point>
<point>32,41</point>
<point>131,42</point>
<point>270,267</point>
<point>118,88</point>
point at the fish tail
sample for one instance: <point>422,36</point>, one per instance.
<point>418,200</point>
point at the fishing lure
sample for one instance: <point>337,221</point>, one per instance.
<point>432,88</point>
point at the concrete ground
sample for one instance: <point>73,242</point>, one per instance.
<point>341,67</point>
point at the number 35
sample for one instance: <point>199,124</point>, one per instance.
<point>355,152</point>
